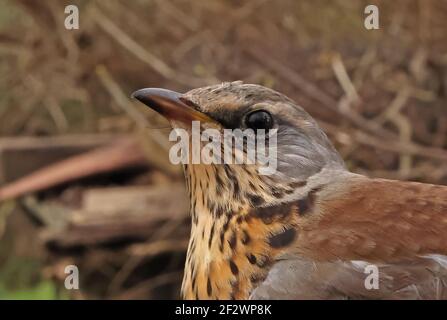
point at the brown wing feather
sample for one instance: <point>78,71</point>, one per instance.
<point>378,220</point>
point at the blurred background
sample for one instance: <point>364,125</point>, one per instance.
<point>84,174</point>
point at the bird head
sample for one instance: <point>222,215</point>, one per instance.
<point>302,149</point>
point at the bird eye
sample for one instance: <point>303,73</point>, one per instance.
<point>259,120</point>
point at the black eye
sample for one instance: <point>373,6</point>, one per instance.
<point>259,120</point>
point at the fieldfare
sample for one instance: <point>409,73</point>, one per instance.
<point>310,230</point>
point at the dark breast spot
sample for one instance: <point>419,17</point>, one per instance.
<point>283,238</point>
<point>210,240</point>
<point>255,200</point>
<point>231,176</point>
<point>251,185</point>
<point>306,204</point>
<point>236,188</point>
<point>220,210</point>
<point>278,193</point>
<point>267,214</point>
<point>193,283</point>
<point>245,237</point>
<point>251,258</point>
<point>233,267</point>
<point>209,289</point>
<point>233,240</point>
<point>226,225</point>
<point>222,238</point>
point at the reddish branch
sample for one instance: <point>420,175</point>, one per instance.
<point>125,153</point>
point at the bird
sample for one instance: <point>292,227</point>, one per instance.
<point>312,229</point>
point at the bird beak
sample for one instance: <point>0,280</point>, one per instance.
<point>170,104</point>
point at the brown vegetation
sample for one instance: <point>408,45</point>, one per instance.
<point>381,95</point>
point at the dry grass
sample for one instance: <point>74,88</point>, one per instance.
<point>381,95</point>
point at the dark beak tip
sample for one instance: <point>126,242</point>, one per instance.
<point>139,94</point>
